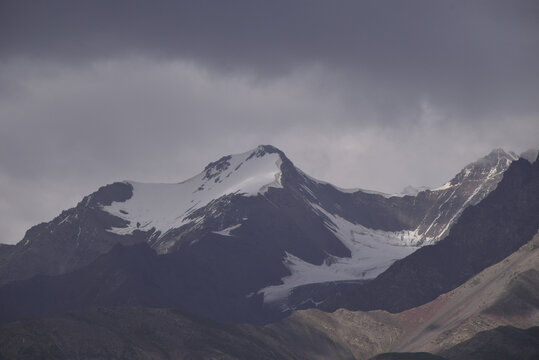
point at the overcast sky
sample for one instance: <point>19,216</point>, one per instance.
<point>372,94</point>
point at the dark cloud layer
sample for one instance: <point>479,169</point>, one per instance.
<point>378,94</point>
<point>473,57</point>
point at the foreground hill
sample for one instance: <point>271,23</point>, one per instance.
<point>483,315</point>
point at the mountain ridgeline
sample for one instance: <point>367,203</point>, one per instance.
<point>252,237</point>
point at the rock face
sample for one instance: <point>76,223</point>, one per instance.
<point>234,241</point>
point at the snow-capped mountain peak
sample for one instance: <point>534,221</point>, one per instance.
<point>489,166</point>
<point>471,185</point>
<point>230,164</point>
<point>168,206</point>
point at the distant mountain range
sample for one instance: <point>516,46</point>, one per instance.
<point>252,225</point>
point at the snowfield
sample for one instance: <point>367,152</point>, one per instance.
<point>373,251</point>
<point>167,206</point>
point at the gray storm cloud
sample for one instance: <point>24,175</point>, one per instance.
<point>472,57</point>
<point>373,94</point>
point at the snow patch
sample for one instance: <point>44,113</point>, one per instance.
<point>226,232</point>
<point>445,186</point>
<point>372,252</point>
<point>66,219</point>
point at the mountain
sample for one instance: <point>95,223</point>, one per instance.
<point>484,235</point>
<point>487,313</point>
<point>471,185</point>
<point>242,234</point>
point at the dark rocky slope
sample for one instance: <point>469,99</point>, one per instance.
<point>407,356</point>
<point>73,239</point>
<point>137,276</point>
<point>138,333</point>
<point>506,342</point>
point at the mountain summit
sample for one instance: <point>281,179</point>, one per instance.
<point>471,185</point>
<point>161,208</point>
